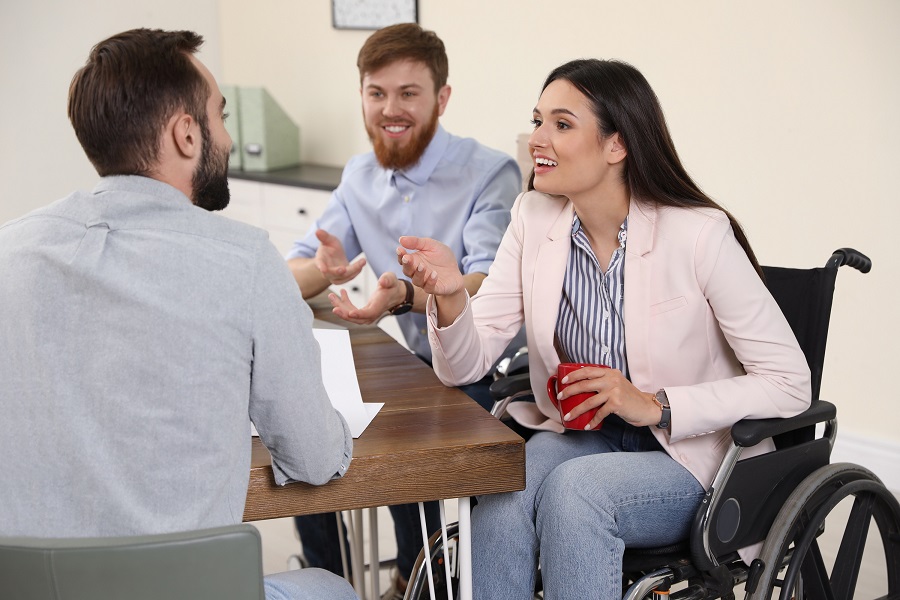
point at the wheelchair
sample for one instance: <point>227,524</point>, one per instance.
<point>780,499</point>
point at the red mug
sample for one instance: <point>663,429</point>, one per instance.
<point>567,404</point>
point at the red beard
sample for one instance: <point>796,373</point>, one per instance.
<point>394,156</point>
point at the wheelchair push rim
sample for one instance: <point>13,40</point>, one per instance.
<point>792,541</point>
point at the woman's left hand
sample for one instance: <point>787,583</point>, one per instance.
<point>614,394</point>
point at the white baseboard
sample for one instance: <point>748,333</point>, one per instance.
<point>879,455</point>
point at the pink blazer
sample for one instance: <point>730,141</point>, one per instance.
<point>699,322</point>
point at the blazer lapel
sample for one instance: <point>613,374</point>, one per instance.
<point>638,274</point>
<point>549,274</point>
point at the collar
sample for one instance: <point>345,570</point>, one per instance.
<point>137,184</point>
<point>641,227</point>
<point>622,235</point>
<point>421,172</point>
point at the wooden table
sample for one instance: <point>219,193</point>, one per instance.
<point>428,442</point>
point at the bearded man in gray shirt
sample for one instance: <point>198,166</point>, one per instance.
<point>141,334</point>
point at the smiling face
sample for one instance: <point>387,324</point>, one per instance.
<point>570,156</point>
<point>401,110</point>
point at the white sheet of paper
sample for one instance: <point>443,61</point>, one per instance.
<point>339,377</point>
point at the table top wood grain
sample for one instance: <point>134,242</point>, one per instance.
<point>428,442</point>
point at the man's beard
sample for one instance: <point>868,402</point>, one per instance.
<point>210,181</point>
<point>394,156</point>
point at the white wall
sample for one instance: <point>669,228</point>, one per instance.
<point>42,44</point>
<point>786,112</point>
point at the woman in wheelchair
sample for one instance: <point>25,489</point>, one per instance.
<point>614,257</point>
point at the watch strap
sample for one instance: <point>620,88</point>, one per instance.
<point>662,400</point>
<point>407,304</point>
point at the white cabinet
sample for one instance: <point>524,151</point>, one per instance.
<point>245,205</point>
<point>287,212</point>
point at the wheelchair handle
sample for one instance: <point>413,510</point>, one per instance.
<point>851,258</point>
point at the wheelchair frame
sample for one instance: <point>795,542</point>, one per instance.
<point>788,519</point>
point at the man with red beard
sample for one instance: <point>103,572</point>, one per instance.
<point>141,333</point>
<point>418,179</point>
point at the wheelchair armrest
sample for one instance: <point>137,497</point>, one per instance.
<point>749,432</point>
<point>509,386</point>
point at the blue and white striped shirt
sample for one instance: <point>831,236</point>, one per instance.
<point>590,328</point>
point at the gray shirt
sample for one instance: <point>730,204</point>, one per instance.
<point>139,337</point>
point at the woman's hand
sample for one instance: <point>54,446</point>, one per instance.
<point>614,394</point>
<point>432,266</point>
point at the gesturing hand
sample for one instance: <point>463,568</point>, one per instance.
<point>432,266</point>
<point>388,293</point>
<point>331,259</point>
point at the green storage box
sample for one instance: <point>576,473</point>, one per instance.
<point>269,139</point>
<point>233,124</point>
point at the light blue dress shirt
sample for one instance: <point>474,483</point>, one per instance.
<point>459,193</point>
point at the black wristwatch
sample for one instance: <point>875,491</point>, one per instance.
<point>666,418</point>
<point>407,304</point>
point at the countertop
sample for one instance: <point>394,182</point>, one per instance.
<point>319,177</point>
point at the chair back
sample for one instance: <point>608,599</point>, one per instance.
<point>805,297</point>
<point>224,563</point>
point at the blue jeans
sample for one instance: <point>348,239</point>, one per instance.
<point>587,496</point>
<point>308,584</point>
<point>321,547</point>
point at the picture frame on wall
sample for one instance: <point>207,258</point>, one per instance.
<point>372,14</point>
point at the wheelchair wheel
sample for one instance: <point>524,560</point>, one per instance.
<point>418,583</point>
<point>791,546</point>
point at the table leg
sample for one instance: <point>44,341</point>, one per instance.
<point>356,553</point>
<point>374,559</point>
<point>446,550</point>
<point>465,549</point>
<point>426,550</point>
<point>344,558</point>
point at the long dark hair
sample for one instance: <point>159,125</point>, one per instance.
<point>624,103</point>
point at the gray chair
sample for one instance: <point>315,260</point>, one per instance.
<point>217,564</point>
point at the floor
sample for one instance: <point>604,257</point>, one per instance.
<point>280,542</point>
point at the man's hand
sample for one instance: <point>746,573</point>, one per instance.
<point>388,293</point>
<point>331,259</point>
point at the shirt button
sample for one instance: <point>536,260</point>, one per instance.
<point>406,198</point>
<point>423,331</point>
